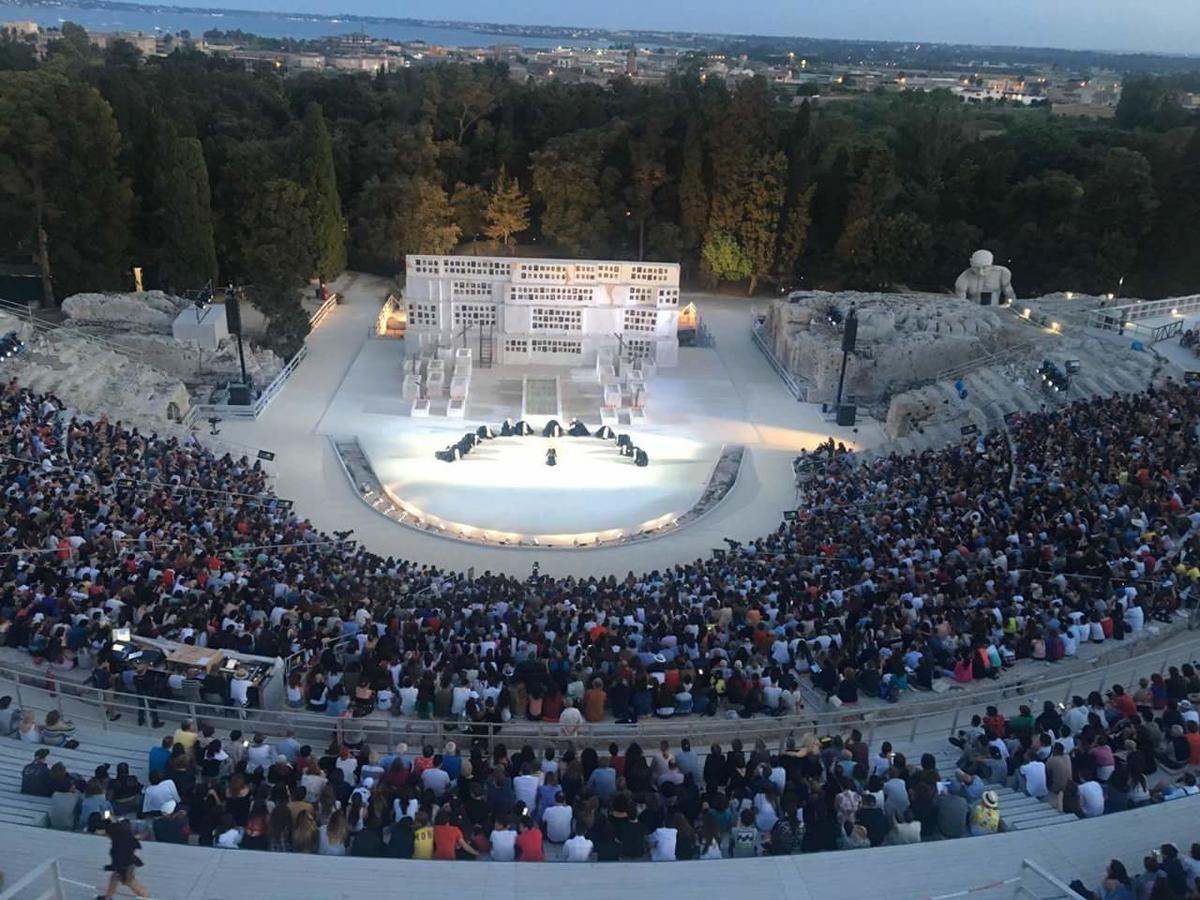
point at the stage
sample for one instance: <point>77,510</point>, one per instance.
<point>504,491</point>
<point>348,388</point>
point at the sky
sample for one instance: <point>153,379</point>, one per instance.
<point>1165,26</point>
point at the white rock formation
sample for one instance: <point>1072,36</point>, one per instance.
<point>92,379</point>
<point>148,311</point>
<point>903,339</point>
<point>190,365</point>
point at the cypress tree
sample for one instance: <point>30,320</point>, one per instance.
<point>322,204</point>
<point>187,255</point>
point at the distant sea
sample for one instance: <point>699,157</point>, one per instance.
<point>276,25</point>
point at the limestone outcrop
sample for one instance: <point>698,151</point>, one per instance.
<point>92,379</point>
<point>903,340</point>
<point>147,311</point>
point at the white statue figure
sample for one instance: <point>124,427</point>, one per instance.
<point>985,282</point>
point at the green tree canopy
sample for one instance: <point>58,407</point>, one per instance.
<point>278,250</point>
<point>400,216</point>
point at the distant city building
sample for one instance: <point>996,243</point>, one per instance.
<point>631,62</point>
<point>545,311</point>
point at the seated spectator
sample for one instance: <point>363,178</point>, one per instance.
<point>985,814</point>
<point>94,802</point>
<point>64,809</point>
<point>160,792</point>
<point>35,777</point>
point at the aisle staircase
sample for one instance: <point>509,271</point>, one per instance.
<point>1018,811</point>
<point>95,748</point>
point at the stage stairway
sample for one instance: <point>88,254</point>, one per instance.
<point>487,346</point>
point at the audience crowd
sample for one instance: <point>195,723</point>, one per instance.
<point>896,573</point>
<point>1102,754</point>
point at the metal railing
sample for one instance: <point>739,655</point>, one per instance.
<point>1127,318</point>
<point>990,359</point>
<point>26,886</point>
<point>1035,882</point>
<point>43,326</point>
<point>259,406</point>
<point>378,328</point>
<point>256,409</point>
<point>797,389</point>
<point>322,311</point>
<point>937,716</point>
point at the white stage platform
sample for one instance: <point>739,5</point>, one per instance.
<point>504,485</point>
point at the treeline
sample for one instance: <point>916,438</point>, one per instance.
<point>194,168</point>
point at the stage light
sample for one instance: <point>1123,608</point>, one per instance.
<point>1070,295</point>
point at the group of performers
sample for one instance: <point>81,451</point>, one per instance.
<point>553,429</point>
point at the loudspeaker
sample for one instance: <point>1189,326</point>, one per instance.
<point>850,332</point>
<point>233,313</point>
<point>239,394</point>
<point>846,413</point>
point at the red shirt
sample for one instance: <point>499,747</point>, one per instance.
<point>1193,739</point>
<point>1125,706</point>
<point>445,841</point>
<point>529,846</point>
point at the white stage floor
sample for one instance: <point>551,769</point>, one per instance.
<point>504,485</point>
<point>349,386</point>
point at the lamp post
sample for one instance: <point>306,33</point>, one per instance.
<point>849,336</point>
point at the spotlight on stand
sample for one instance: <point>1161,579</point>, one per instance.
<point>1055,378</point>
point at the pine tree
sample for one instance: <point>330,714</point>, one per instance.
<point>187,255</point>
<point>58,162</point>
<point>507,210</point>
<point>322,204</point>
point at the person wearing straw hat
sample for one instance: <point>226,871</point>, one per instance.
<point>985,815</point>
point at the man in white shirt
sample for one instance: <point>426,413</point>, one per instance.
<point>239,688</point>
<point>1033,778</point>
<point>259,755</point>
<point>504,843</point>
<point>1077,716</point>
<point>558,819</point>
<point>158,794</point>
<point>525,787</point>
<point>577,849</point>
<point>1091,799</point>
<point>408,698</point>
<point>459,697</point>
